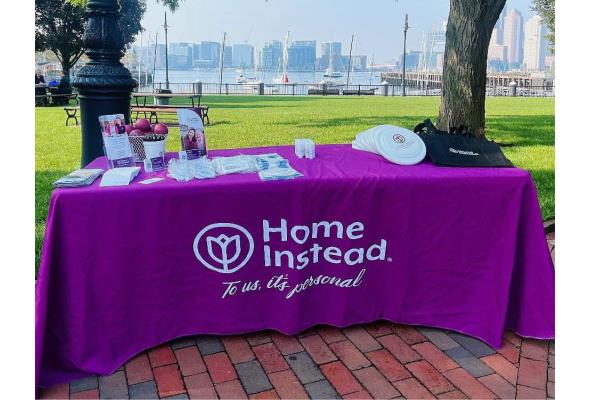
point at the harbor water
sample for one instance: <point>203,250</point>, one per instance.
<point>230,75</point>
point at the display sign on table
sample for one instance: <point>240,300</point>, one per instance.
<point>191,128</point>
<point>116,141</point>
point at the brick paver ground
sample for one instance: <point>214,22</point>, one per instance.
<point>380,360</point>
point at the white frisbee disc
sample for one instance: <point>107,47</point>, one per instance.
<point>400,145</point>
<point>365,140</point>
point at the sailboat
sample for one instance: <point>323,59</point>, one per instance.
<point>371,67</point>
<point>283,78</point>
<point>332,82</point>
<point>241,77</point>
<point>329,72</point>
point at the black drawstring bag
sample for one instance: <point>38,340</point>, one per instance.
<point>459,148</point>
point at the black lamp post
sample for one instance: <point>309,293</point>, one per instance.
<point>104,84</point>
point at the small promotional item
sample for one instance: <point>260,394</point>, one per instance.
<point>78,178</point>
<point>116,141</point>
<point>401,146</point>
<point>274,167</point>
<point>183,170</point>
<point>305,148</point>
<point>151,180</point>
<point>277,173</point>
<point>272,160</point>
<point>137,131</point>
<point>299,148</point>
<point>191,128</point>
<point>363,140</point>
<point>459,148</point>
<point>154,148</point>
<point>119,176</point>
<point>234,165</point>
<point>395,144</point>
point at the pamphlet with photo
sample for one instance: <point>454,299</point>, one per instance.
<point>116,141</point>
<point>154,147</point>
<point>193,141</point>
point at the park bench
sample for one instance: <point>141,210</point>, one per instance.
<point>55,99</point>
<point>151,112</point>
<point>359,92</point>
<point>324,92</point>
<point>71,114</point>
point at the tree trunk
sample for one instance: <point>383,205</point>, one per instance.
<point>468,34</point>
<point>65,82</point>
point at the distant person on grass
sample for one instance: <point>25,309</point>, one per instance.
<point>39,78</point>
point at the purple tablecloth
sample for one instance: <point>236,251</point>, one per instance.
<point>356,239</point>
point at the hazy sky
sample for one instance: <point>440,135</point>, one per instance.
<point>377,23</point>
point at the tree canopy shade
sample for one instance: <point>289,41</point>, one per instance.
<point>59,27</point>
<point>545,8</point>
<point>468,34</point>
<point>170,4</point>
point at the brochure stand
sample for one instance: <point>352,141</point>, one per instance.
<point>193,141</point>
<point>116,141</point>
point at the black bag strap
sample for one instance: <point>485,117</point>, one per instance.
<point>428,127</point>
<point>425,127</point>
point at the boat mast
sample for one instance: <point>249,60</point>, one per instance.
<point>147,58</point>
<point>256,58</point>
<point>349,63</point>
<point>330,67</point>
<point>222,61</point>
<point>372,64</point>
<point>140,59</point>
<point>154,61</point>
<point>285,57</point>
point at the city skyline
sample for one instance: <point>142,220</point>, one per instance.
<point>515,44</point>
<point>378,28</point>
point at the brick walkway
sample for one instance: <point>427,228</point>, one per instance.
<point>380,360</point>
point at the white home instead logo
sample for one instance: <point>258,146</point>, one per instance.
<point>219,247</point>
<point>227,252</point>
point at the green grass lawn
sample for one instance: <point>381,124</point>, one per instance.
<point>524,126</point>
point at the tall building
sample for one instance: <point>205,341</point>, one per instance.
<point>534,49</point>
<point>180,55</point>
<point>160,56</point>
<point>302,55</point>
<point>335,49</point>
<point>412,60</point>
<point>227,57</point>
<point>359,63</point>
<point>207,55</point>
<point>270,55</point>
<point>433,45</point>
<point>513,38</point>
<point>242,56</point>
<point>549,62</point>
<point>497,51</point>
<point>497,54</point>
<point>498,32</point>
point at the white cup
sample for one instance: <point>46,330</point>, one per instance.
<point>153,151</point>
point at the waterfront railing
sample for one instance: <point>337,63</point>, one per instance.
<point>306,89</point>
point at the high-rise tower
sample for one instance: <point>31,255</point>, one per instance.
<point>513,38</point>
<point>534,49</point>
